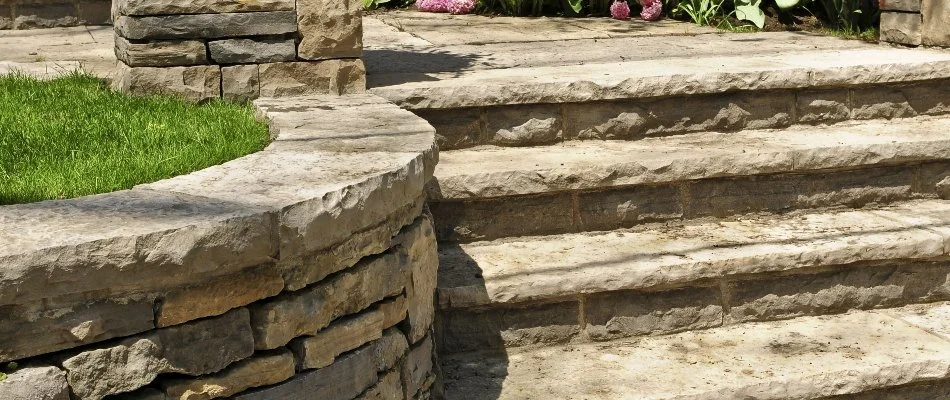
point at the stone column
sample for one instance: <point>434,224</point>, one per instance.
<point>238,50</point>
<point>916,22</point>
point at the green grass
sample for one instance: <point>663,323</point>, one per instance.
<point>72,136</point>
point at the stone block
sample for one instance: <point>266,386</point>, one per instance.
<point>523,125</point>
<point>215,297</point>
<point>240,83</point>
<point>46,326</point>
<point>614,315</point>
<point>936,23</point>
<point>207,26</point>
<point>307,311</point>
<point>627,206</point>
<point>928,98</point>
<point>605,120</point>
<point>346,378</point>
<point>45,15</point>
<point>881,102</point>
<point>493,218</point>
<point>823,106</point>
<point>418,367</point>
<point>857,188</point>
<point>258,371</point>
<point>251,51</point>
<point>200,83</point>
<point>6,22</point>
<point>330,29</point>
<point>455,128</point>
<point>419,243</point>
<point>341,336</point>
<point>342,76</point>
<point>394,310</point>
<point>900,5</point>
<point>902,28</point>
<point>196,348</point>
<point>171,7</point>
<point>35,383</point>
<point>389,387</point>
<point>388,350</point>
<point>462,330</point>
<point>141,394</point>
<point>161,53</point>
<point>96,12</point>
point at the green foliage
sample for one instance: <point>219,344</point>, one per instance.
<point>374,4</point>
<point>849,15</point>
<point>701,12</point>
<point>750,10</point>
<point>71,136</point>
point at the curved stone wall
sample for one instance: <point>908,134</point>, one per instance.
<point>306,270</point>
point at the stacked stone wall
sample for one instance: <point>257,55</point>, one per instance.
<point>35,14</point>
<point>916,22</point>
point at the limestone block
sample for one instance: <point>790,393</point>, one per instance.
<point>250,51</point>
<point>936,23</point>
<point>240,83</point>
<point>628,206</point>
<point>823,106</point>
<point>881,102</point>
<point>341,336</point>
<point>628,313</point>
<point>494,218</point>
<point>419,243</point>
<point>341,76</point>
<point>455,128</point>
<point>196,348</point>
<point>207,26</point>
<point>346,378</point>
<point>903,28</point>
<point>524,125</point>
<point>389,387</point>
<point>418,367</point>
<point>329,29</point>
<point>394,310</point>
<point>464,330</point>
<point>35,383</point>
<point>305,312</point>
<point>45,15</point>
<point>161,53</point>
<point>928,98</point>
<point>170,7</point>
<point>389,349</point>
<point>900,5</point>
<point>46,326</point>
<point>215,297</point>
<point>263,370</point>
<point>200,83</point>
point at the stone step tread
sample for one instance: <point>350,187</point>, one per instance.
<point>490,171</point>
<point>805,358</point>
<point>657,256</point>
<point>662,76</point>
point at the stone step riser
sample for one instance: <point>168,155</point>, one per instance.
<point>543,124</point>
<point>624,207</point>
<point>697,305</point>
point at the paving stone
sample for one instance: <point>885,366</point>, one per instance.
<point>936,31</point>
<point>215,297</point>
<point>207,26</point>
<point>35,383</point>
<point>252,51</point>
<point>343,76</point>
<point>330,29</point>
<point>199,84</point>
<point>627,313</point>
<point>260,370</point>
<point>903,28</point>
<point>464,330</point>
<point>170,7</point>
<point>240,83</point>
<point>346,378</point>
<point>161,53</point>
<point>341,336</point>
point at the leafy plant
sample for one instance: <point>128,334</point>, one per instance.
<point>701,12</point>
<point>374,4</point>
<point>750,10</point>
<point>850,15</point>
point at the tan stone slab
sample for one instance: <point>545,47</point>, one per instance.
<point>341,336</point>
<point>217,296</point>
<point>261,370</point>
<point>805,358</point>
<point>168,7</point>
<point>443,29</point>
<point>936,29</point>
<point>548,267</point>
<point>636,27</point>
<point>901,27</point>
<point>35,382</point>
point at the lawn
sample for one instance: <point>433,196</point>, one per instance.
<point>73,136</point>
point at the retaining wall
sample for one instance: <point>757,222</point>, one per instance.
<point>915,22</point>
<point>34,14</point>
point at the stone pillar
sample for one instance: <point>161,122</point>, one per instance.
<point>239,50</point>
<point>916,22</point>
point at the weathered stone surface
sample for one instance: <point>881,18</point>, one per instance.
<point>161,53</point>
<point>628,206</point>
<point>217,296</point>
<point>342,76</point>
<point>197,348</point>
<point>305,312</point>
<point>95,12</point>
<point>168,7</point>
<point>250,51</point>
<point>389,387</point>
<point>900,5</point>
<point>626,313</point>
<point>141,394</point>
<point>881,102</point>
<point>806,358</point>
<point>263,370</point>
<point>207,26</point>
<point>419,244</point>
<point>823,106</point>
<point>200,83</point>
<point>388,350</point>
<point>346,378</point>
<point>455,128</point>
<point>903,28</point>
<point>523,216</point>
<point>524,125</point>
<point>330,29</point>
<point>394,310</point>
<point>240,83</point>
<point>46,325</point>
<point>936,31</point>
<point>35,383</point>
<point>341,336</point>
<point>418,367</point>
<point>45,15</point>
<point>496,328</point>
<point>921,391</point>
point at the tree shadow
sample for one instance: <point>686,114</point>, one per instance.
<point>387,67</point>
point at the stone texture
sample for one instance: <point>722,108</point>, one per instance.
<point>240,83</point>
<point>388,350</point>
<point>394,310</point>
<point>344,76</point>
<point>161,53</point>
<point>197,348</point>
<point>419,244</point>
<point>35,383</point>
<point>881,102</point>
<point>341,336</point>
<point>523,216</point>
<point>306,312</point>
<point>462,330</point>
<point>418,367</point>
<point>936,31</point>
<point>215,297</point>
<point>48,15</point>
<point>389,387</point>
<point>206,26</point>
<point>346,378</point>
<point>261,370</point>
<point>823,106</point>
<point>251,51</point>
<point>903,28</point>
<point>900,5</point>
<point>330,29</point>
<point>201,83</point>
<point>96,12</point>
<point>455,128</point>
<point>141,394</point>
<point>524,125</point>
<point>628,206</point>
<point>167,7</point>
<point>620,314</point>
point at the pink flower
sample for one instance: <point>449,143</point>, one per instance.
<point>461,6</point>
<point>436,6</point>
<point>620,10</point>
<point>652,10</point>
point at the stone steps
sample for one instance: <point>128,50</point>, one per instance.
<point>892,354</point>
<point>674,277</point>
<point>485,193</point>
